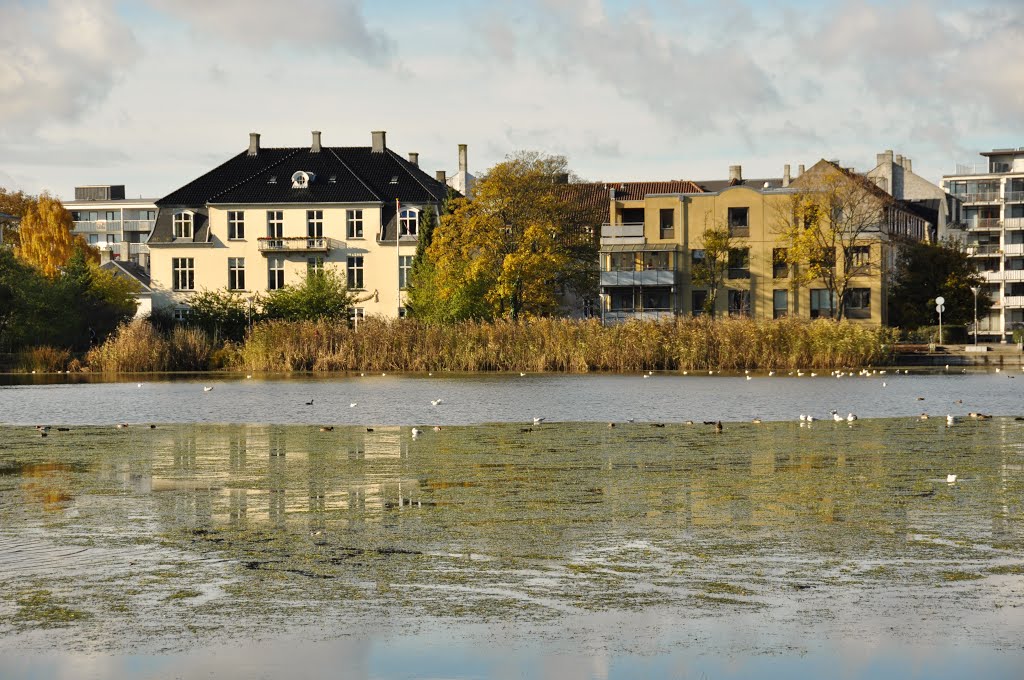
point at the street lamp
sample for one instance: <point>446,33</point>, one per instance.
<point>975,289</point>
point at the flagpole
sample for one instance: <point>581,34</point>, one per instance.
<point>398,254</point>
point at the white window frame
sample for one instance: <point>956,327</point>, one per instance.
<point>275,224</point>
<point>236,225</point>
<point>315,223</point>
<point>236,273</point>
<point>183,223</point>
<point>354,272</point>
<point>354,223</point>
<point>315,263</point>
<point>404,270</point>
<point>275,273</point>
<point>408,222</point>
<point>183,273</point>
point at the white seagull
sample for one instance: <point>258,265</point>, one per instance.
<point>850,418</point>
<point>538,421</point>
<point>435,402</point>
<point>950,479</point>
<point>950,419</point>
<point>416,432</point>
<point>836,417</point>
<point>353,404</point>
<point>207,389</point>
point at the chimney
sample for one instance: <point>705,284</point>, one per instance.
<point>440,177</point>
<point>735,174</point>
<point>899,160</point>
<point>254,143</point>
<point>800,170</point>
<point>463,162</point>
<point>379,141</point>
<point>105,253</point>
<point>414,158</point>
<point>785,175</point>
<point>315,148</point>
<point>907,164</point>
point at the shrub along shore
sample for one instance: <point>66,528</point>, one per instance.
<point>558,345</point>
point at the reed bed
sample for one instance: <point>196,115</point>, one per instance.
<point>563,345</point>
<point>137,347</point>
<point>44,359</point>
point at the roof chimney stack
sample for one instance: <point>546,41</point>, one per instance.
<point>414,158</point>
<point>463,159</point>
<point>379,141</point>
<point>785,175</point>
<point>800,170</point>
<point>735,174</point>
<point>907,164</point>
<point>440,177</point>
<point>315,148</point>
<point>899,160</point>
<point>254,143</point>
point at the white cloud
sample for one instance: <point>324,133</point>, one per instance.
<point>58,59</point>
<point>331,25</point>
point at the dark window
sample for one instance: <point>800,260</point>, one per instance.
<point>622,262</point>
<point>315,223</point>
<point>621,300</point>
<point>355,224</point>
<point>667,220</point>
<point>780,267</point>
<point>858,303</point>
<point>860,255</point>
<point>739,303</point>
<point>739,263</point>
<point>632,215</point>
<point>699,298</point>
<point>236,224</point>
<point>658,299</point>
<point>183,273</point>
<point>236,273</point>
<point>780,303</point>
<point>354,269</point>
<point>656,260</point>
<point>275,223</point>
<point>822,303</point>
<point>739,221</point>
<point>275,273</point>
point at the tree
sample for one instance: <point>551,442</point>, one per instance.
<point>501,254</point>
<point>223,314</point>
<point>925,271</point>
<point>710,271</point>
<point>14,203</point>
<point>22,302</point>
<point>830,225</point>
<point>45,238</point>
<point>322,295</point>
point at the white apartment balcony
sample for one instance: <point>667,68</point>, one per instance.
<point>650,277</point>
<point>980,197</point>
<point>94,226</point>
<point>293,244</point>
<point>983,224</point>
<point>1013,249</point>
<point>139,225</point>
<point>138,249</point>
<point>1011,275</point>
<point>986,250</point>
<point>628,234</point>
<point>1014,301</point>
<point>1013,196</point>
<point>645,315</point>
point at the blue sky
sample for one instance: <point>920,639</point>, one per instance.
<point>151,94</point>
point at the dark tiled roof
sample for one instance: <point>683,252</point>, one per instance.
<point>588,202</point>
<point>128,270</point>
<point>359,176</point>
<point>635,191</point>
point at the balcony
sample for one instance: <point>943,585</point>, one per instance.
<point>1013,249</point>
<point>1015,301</point>
<point>983,224</point>
<point>621,316</point>
<point>139,225</point>
<point>987,249</point>
<point>980,197</point>
<point>293,244</point>
<point>1013,196</point>
<point>97,226</point>
<point>138,249</point>
<point>649,277</point>
<point>1014,223</point>
<point>631,233</point>
<point>1012,275</point>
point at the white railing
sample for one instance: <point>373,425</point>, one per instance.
<point>979,197</point>
<point>987,249</point>
<point>983,223</point>
<point>1013,249</point>
<point>972,168</point>
<point>1014,223</point>
<point>139,225</point>
<point>1013,196</point>
<point>97,225</point>
<point>1013,301</point>
<point>138,249</point>
<point>294,243</point>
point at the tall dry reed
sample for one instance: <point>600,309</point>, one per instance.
<point>134,347</point>
<point>44,359</point>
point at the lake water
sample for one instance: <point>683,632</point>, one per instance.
<point>237,538</point>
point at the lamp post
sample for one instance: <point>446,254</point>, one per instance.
<point>975,290</point>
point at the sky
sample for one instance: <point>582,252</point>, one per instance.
<point>153,93</point>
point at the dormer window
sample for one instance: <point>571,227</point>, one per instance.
<point>272,179</point>
<point>302,179</point>
<point>183,225</point>
<point>408,222</point>
<point>394,179</point>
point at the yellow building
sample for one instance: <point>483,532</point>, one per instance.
<point>264,218</point>
<point>655,238</point>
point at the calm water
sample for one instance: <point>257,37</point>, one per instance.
<point>474,399</point>
<point>564,550</point>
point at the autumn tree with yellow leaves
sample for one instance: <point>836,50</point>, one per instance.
<point>503,254</point>
<point>45,239</point>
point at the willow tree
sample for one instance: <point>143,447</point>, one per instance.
<point>502,254</point>
<point>45,239</point>
<point>832,228</point>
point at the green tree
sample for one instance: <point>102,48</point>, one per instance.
<point>826,225</point>
<point>925,271</point>
<point>710,271</point>
<point>502,254</point>
<point>223,314</point>
<point>23,293</point>
<point>15,203</point>
<point>94,302</point>
<point>322,295</point>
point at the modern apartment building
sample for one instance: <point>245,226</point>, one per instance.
<point>267,216</point>
<point>655,237</point>
<point>117,226</point>
<point>993,197</point>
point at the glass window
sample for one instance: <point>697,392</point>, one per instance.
<point>354,270</point>
<point>315,223</point>
<point>183,225</point>
<point>656,260</point>
<point>183,273</point>
<point>699,298</point>
<point>739,224</point>
<point>236,273</point>
<point>858,303</point>
<point>236,224</point>
<point>622,262</point>
<point>275,223</point>
<point>780,266</point>
<point>314,265</point>
<point>860,255</point>
<point>739,302</point>
<point>404,267</point>
<point>621,300</point>
<point>739,263</point>
<point>658,299</point>
<point>696,257</point>
<point>667,220</point>
<point>275,273</point>
<point>354,221</point>
<point>822,303</point>
<point>408,221</point>
<point>780,303</point>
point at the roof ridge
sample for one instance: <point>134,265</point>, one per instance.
<point>259,172</point>
<point>402,164</point>
<point>354,173</point>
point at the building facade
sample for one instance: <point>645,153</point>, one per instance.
<point>266,217</point>
<point>992,193</point>
<point>894,174</point>
<point>654,240</point>
<point>118,227</point>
